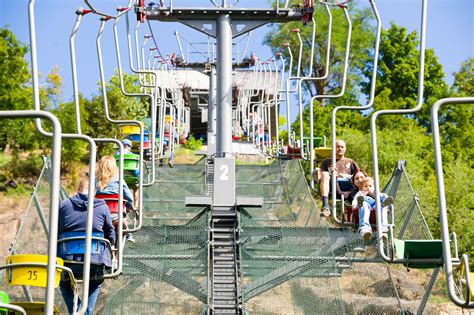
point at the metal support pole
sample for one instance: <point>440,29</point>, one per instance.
<point>211,113</point>
<point>224,86</point>
<point>212,102</point>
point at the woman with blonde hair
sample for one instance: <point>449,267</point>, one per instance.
<point>107,183</point>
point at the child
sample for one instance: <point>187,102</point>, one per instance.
<point>366,203</point>
<point>107,184</point>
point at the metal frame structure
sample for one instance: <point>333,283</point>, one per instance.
<point>364,107</point>
<point>54,194</point>
<point>373,133</point>
<point>223,23</point>
<point>449,261</point>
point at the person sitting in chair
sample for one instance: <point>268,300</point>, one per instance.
<point>345,168</point>
<point>73,218</point>
<point>364,200</point>
<point>127,149</point>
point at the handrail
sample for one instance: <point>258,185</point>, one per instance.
<point>364,107</point>
<point>54,196</point>
<point>443,214</point>
<point>161,100</point>
<point>289,79</point>
<point>80,12</point>
<point>12,307</point>
<point>343,88</point>
<point>300,96</point>
<point>373,134</point>
<point>132,122</point>
<point>299,88</point>
<point>152,105</point>
<point>92,157</point>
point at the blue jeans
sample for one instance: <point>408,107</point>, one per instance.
<point>364,217</point>
<point>68,293</point>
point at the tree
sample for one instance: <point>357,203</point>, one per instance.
<point>397,74</point>
<point>464,79</point>
<point>456,127</point>
<point>120,107</point>
<point>15,94</point>
<point>13,72</point>
<point>362,42</point>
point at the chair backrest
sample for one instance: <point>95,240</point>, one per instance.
<point>345,185</point>
<point>131,162</point>
<point>127,129</point>
<point>135,138</point>
<point>30,275</point>
<point>74,243</point>
<point>317,141</point>
<point>111,201</point>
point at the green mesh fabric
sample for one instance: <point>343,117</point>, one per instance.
<point>287,199</point>
<point>32,239</point>
<point>291,260</point>
<point>164,201</point>
<point>305,266</point>
<point>165,270</point>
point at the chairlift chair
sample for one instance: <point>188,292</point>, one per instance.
<point>31,270</point>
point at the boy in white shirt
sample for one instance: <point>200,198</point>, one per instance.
<point>365,203</point>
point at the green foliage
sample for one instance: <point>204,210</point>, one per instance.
<point>193,143</point>
<point>13,71</point>
<point>407,137</point>
<point>20,167</point>
<point>362,42</point>
<point>397,79</point>
<point>120,107</point>
<point>456,126</point>
<point>13,79</point>
<point>464,79</point>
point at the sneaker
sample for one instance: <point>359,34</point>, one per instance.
<point>360,201</point>
<point>366,234</point>
<point>325,212</point>
<point>130,238</point>
<point>170,164</point>
<point>161,163</point>
<point>387,201</point>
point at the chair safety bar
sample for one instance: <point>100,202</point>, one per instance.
<point>465,301</point>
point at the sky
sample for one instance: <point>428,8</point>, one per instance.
<point>450,32</point>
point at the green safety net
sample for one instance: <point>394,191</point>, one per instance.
<point>165,270</point>
<point>32,239</point>
<point>291,260</point>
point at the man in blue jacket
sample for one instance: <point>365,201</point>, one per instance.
<point>73,218</point>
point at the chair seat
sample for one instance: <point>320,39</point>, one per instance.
<point>352,215</point>
<point>323,153</point>
<point>34,308</point>
<point>294,152</point>
<point>29,275</point>
<point>131,162</point>
<point>111,201</point>
<point>127,129</point>
<point>462,275</point>
<point>419,249</point>
<point>317,141</point>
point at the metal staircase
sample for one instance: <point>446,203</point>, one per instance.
<point>224,260</point>
<point>210,176</point>
<point>224,297</point>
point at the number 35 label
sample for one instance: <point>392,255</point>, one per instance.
<point>32,275</point>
